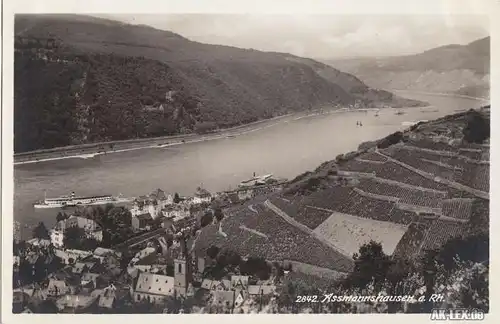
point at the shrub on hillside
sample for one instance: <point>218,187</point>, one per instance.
<point>477,129</point>
<point>392,139</point>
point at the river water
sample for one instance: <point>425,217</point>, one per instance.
<point>285,150</point>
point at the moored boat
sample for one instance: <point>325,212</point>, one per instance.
<point>72,201</point>
<point>256,180</point>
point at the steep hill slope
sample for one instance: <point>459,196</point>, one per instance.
<point>81,79</point>
<point>461,69</point>
<point>411,191</point>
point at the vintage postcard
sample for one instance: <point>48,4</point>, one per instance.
<point>268,160</point>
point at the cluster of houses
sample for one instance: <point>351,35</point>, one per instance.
<point>92,281</point>
<point>83,283</point>
<point>155,285</point>
<point>160,207</point>
<point>234,292</point>
<point>89,281</point>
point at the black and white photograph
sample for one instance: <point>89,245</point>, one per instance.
<point>249,162</point>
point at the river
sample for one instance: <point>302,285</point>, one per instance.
<point>285,150</point>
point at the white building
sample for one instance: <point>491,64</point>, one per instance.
<point>176,212</point>
<point>202,196</point>
<point>57,237</point>
<point>91,228</point>
<point>153,287</point>
<point>152,204</point>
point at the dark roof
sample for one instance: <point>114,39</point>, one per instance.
<point>201,192</point>
<point>158,194</point>
<point>146,216</point>
<point>233,197</point>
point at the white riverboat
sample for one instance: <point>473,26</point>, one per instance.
<point>72,201</point>
<point>256,181</point>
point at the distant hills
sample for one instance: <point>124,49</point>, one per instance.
<point>82,79</point>
<point>459,69</point>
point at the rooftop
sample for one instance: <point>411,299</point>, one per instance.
<point>155,284</point>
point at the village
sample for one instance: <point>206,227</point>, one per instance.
<point>82,265</point>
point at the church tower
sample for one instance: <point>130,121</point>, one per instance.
<point>182,271</point>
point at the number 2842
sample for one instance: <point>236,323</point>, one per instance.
<point>306,299</point>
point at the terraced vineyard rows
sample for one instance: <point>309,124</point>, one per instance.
<point>407,195</point>
<point>409,245</point>
<point>402,216</point>
<point>352,203</point>
<point>310,217</point>
<point>471,154</point>
<point>359,166</point>
<point>477,177</point>
<point>431,145</point>
<point>420,154</point>
<point>393,171</point>
<point>465,173</point>
<point>440,232</point>
<point>284,241</point>
<point>457,208</point>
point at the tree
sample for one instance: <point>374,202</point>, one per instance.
<point>206,219</point>
<point>73,237</point>
<point>477,129</point>
<point>89,244</point>
<point>212,252</point>
<point>41,232</point>
<point>256,266</point>
<point>473,248</point>
<point>177,199</point>
<point>170,271</point>
<point>232,258</point>
<point>61,216</point>
<point>394,138</point>
<point>218,214</point>
<point>370,264</point>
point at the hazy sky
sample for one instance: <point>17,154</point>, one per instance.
<point>322,36</point>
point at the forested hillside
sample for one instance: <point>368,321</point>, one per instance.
<point>81,80</point>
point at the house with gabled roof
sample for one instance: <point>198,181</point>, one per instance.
<point>207,284</point>
<point>91,278</point>
<point>142,221</point>
<point>111,295</point>
<point>153,287</point>
<point>107,256</point>
<point>58,288</point>
<point>239,282</point>
<point>239,297</point>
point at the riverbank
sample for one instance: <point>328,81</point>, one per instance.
<point>443,94</point>
<point>88,151</point>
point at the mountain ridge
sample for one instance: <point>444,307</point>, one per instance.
<point>82,79</point>
<point>456,69</point>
